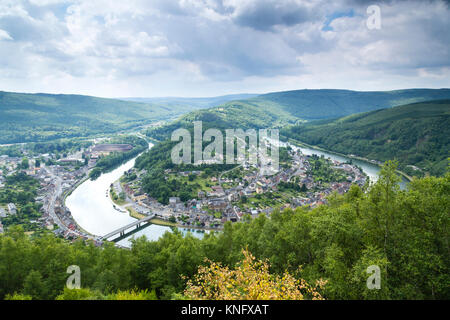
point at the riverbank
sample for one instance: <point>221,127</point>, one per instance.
<point>67,193</point>
<point>351,156</point>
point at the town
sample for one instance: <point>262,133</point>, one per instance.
<point>57,178</point>
<point>240,192</point>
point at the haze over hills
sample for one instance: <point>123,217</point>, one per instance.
<point>332,103</point>
<point>416,134</point>
<point>40,117</point>
<point>290,107</point>
<point>191,104</point>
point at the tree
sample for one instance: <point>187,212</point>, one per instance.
<point>25,164</point>
<point>17,296</point>
<point>133,295</point>
<point>34,285</point>
<point>250,280</point>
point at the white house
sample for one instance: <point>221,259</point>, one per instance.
<point>12,208</point>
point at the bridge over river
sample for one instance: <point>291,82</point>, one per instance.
<point>123,233</point>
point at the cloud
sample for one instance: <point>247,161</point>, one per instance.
<point>208,47</point>
<point>4,35</point>
<point>266,14</point>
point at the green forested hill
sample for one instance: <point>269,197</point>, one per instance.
<point>191,104</point>
<point>404,233</point>
<point>292,107</point>
<point>40,117</point>
<point>236,114</point>
<point>331,103</point>
<point>416,134</point>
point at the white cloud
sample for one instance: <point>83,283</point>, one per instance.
<point>4,35</point>
<point>207,47</point>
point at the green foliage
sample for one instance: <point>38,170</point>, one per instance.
<point>45,117</point>
<point>79,294</point>
<point>158,159</point>
<point>21,190</point>
<point>404,232</point>
<point>330,103</point>
<point>33,286</point>
<point>133,295</point>
<point>416,134</point>
<point>321,170</point>
<point>17,296</point>
<point>280,108</point>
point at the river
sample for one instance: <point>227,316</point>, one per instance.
<point>94,212</point>
<point>371,170</point>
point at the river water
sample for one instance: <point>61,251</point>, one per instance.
<point>93,210</point>
<point>371,170</point>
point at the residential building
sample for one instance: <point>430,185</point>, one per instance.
<point>12,208</point>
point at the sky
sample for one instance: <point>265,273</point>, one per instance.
<point>204,48</point>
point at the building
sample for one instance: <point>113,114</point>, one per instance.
<point>70,161</point>
<point>217,204</point>
<point>12,208</point>
<point>107,148</point>
<point>173,201</point>
<point>217,191</point>
<point>140,198</point>
<point>2,213</point>
<point>201,194</point>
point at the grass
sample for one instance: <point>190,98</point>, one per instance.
<point>135,214</point>
<point>162,222</point>
<point>118,202</point>
<point>204,183</point>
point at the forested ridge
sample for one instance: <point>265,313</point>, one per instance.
<point>404,232</point>
<point>44,117</point>
<point>415,134</point>
<point>277,109</point>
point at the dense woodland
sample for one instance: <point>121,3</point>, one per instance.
<point>157,160</point>
<point>276,110</point>
<point>45,117</point>
<point>405,233</point>
<point>60,147</point>
<point>416,134</point>
<point>21,190</point>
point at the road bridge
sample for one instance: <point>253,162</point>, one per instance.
<point>123,233</point>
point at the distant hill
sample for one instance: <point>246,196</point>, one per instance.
<point>190,104</point>
<point>39,117</point>
<point>416,134</point>
<point>331,103</point>
<point>279,109</point>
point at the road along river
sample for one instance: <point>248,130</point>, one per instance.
<point>93,210</point>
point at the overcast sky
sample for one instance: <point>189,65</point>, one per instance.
<point>149,48</point>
